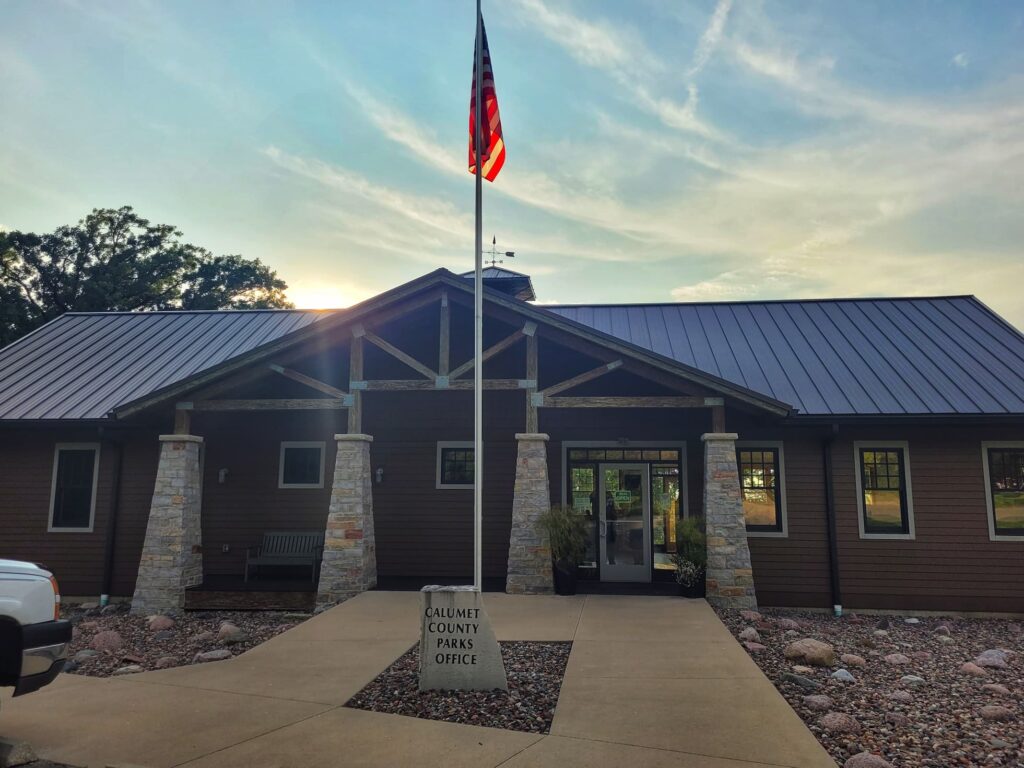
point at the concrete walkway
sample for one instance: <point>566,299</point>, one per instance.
<point>652,681</point>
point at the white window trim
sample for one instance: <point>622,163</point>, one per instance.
<point>441,445</point>
<point>95,447</point>
<point>780,486</point>
<point>989,504</point>
<point>300,444</point>
<point>857,446</point>
<point>659,444</point>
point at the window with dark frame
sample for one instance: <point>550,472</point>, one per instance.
<point>73,489</point>
<point>759,485</point>
<point>302,466</point>
<point>456,466</point>
<point>883,491</point>
<point>1006,484</point>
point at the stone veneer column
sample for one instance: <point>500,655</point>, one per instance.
<point>529,552</point>
<point>350,556</point>
<point>730,578</point>
<point>172,557</point>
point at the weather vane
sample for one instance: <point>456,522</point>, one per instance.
<point>494,253</point>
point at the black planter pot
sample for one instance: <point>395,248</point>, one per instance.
<point>696,590</point>
<point>565,577</point>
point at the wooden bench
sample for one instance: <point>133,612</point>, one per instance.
<point>287,548</point>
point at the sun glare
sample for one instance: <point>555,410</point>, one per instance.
<point>318,296</point>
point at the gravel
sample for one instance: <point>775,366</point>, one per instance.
<point>534,672</point>
<point>950,718</point>
<point>128,642</point>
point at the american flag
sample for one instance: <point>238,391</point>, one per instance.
<point>490,140</point>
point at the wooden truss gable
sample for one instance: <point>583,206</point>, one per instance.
<point>446,375</point>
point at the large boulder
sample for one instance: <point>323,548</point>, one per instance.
<point>866,760</point>
<point>750,634</point>
<point>160,622</point>
<point>973,670</point>
<point>107,640</point>
<point>996,712</point>
<point>840,722</point>
<point>843,676</point>
<point>818,702</point>
<point>218,655</point>
<point>804,682</point>
<point>995,658</point>
<point>228,631</point>
<point>810,651</point>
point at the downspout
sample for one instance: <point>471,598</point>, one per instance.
<point>830,518</point>
<point>115,507</point>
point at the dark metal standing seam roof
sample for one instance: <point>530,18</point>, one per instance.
<point>862,357</point>
<point>82,365</point>
<point>913,356</point>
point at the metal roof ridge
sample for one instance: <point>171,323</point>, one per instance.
<point>764,301</point>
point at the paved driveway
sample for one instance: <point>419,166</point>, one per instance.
<point>652,681</point>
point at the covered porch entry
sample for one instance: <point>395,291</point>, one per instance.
<point>383,392</point>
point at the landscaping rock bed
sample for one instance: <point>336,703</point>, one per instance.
<point>534,672</point>
<point>925,692</point>
<point>111,642</point>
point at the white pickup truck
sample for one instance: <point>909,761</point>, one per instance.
<point>34,639</point>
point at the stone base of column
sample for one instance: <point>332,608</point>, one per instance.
<point>350,558</point>
<point>529,552</point>
<point>730,578</point>
<point>172,558</point>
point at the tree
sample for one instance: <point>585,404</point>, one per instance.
<point>115,260</point>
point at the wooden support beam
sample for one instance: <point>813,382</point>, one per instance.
<point>575,381</point>
<point>273,404</point>
<point>399,355</point>
<point>309,381</point>
<point>718,418</point>
<point>418,385</point>
<point>355,372</point>
<point>532,420</point>
<point>444,349</point>
<point>622,402</point>
<point>491,351</point>
<point>183,419</point>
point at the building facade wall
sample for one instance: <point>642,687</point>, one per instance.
<point>426,533</point>
<point>77,558</point>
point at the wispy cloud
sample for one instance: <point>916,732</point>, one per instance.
<point>961,60</point>
<point>623,55</point>
<point>710,39</point>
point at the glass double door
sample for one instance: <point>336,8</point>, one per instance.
<point>624,522</point>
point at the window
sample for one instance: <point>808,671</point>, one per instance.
<point>761,468</point>
<point>883,488</point>
<point>73,492</point>
<point>302,465</point>
<point>1004,479</point>
<point>455,465</point>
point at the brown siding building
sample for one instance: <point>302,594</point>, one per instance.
<point>878,444</point>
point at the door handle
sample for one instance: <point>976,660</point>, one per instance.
<point>603,529</point>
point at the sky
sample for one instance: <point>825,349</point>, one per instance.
<point>657,150</point>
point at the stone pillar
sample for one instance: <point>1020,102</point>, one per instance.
<point>730,579</point>
<point>529,552</point>
<point>350,556</point>
<point>172,556</point>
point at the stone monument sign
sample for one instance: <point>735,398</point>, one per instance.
<point>458,650</point>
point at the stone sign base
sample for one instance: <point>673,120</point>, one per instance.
<point>458,650</point>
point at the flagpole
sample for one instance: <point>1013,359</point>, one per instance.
<point>478,317</point>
